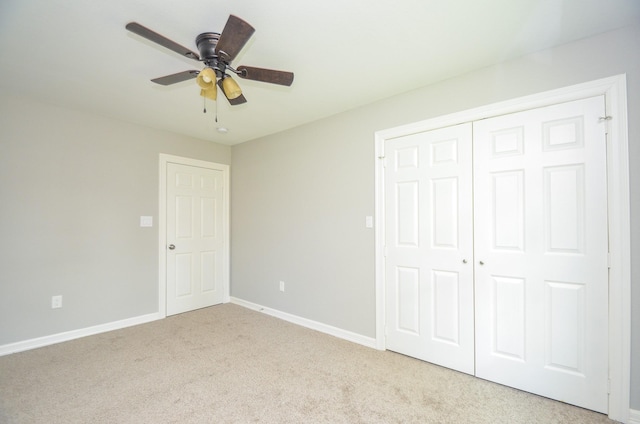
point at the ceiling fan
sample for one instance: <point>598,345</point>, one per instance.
<point>217,51</point>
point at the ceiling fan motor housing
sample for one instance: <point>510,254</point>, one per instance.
<point>207,43</point>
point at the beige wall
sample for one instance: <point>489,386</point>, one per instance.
<point>299,198</point>
<point>72,189</point>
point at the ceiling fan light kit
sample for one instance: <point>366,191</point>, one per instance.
<point>216,51</point>
<point>210,93</point>
<point>231,88</point>
<point>206,79</point>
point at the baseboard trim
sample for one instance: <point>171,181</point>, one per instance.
<point>634,417</point>
<point>10,348</point>
<point>313,325</point>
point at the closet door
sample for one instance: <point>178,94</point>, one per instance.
<point>428,233</point>
<point>541,252</point>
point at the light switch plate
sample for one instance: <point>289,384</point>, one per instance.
<point>56,302</point>
<point>146,221</point>
<point>369,221</point>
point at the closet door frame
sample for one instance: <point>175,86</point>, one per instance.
<point>614,90</point>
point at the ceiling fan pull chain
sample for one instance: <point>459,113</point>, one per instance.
<point>204,104</point>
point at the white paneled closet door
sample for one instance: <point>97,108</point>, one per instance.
<point>496,261</point>
<point>541,247</point>
<point>429,258</point>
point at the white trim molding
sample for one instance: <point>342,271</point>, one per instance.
<point>165,159</point>
<point>615,91</point>
<point>76,334</point>
<point>304,322</point>
<point>634,417</point>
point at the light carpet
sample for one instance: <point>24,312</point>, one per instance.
<point>229,364</point>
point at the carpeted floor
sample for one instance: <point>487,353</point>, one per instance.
<point>229,364</point>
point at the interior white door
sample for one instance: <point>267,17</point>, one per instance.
<point>429,247</point>
<point>541,245</point>
<point>195,239</point>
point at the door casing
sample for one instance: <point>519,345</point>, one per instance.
<point>165,159</point>
<point>614,90</point>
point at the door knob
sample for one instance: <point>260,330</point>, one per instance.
<point>172,246</point>
<point>464,261</point>
<point>481,263</point>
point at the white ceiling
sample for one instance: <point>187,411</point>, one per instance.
<point>344,53</point>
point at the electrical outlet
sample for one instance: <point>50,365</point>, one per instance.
<point>281,286</point>
<point>56,302</point>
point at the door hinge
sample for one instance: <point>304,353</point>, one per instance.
<point>384,162</point>
<point>609,386</point>
<point>607,123</point>
<point>609,260</point>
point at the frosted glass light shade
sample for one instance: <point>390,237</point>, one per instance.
<point>231,88</point>
<point>206,79</point>
<point>209,93</point>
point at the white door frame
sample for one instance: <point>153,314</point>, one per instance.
<point>162,225</point>
<point>615,91</point>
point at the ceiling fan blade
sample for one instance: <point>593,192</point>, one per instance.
<point>266,75</point>
<point>233,102</point>
<point>145,32</point>
<point>234,36</point>
<point>238,100</point>
<point>176,78</point>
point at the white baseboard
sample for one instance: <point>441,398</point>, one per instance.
<point>634,417</point>
<point>10,348</point>
<point>314,325</point>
